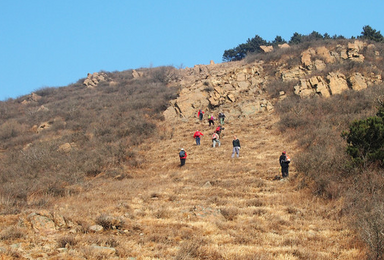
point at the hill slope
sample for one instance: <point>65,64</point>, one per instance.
<point>214,207</point>
<point>130,199</point>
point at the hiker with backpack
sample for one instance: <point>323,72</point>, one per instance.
<point>221,118</point>
<point>236,147</point>
<point>215,139</point>
<point>219,129</point>
<point>200,114</point>
<point>183,156</point>
<point>197,135</point>
<point>211,120</point>
<point>284,161</point>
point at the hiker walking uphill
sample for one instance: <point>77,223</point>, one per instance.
<point>211,120</point>
<point>236,147</point>
<point>215,139</point>
<point>200,114</point>
<point>183,156</point>
<point>221,118</point>
<point>219,129</point>
<point>197,135</point>
<point>284,161</point>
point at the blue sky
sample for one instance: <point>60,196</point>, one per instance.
<point>53,43</point>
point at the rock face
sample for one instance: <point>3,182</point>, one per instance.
<point>215,87</point>
<point>32,98</point>
<point>240,85</point>
<point>333,83</point>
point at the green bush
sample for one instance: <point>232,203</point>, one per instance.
<point>365,140</point>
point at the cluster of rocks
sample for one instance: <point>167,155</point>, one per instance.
<point>32,98</point>
<point>217,87</point>
<point>94,79</point>
<point>317,59</point>
<point>239,85</point>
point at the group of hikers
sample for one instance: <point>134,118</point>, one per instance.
<point>284,159</point>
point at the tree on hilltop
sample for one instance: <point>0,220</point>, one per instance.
<point>278,40</point>
<point>371,34</point>
<point>239,53</point>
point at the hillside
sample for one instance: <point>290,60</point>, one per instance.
<point>120,192</point>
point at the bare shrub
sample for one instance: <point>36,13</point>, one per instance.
<point>12,233</point>
<point>254,203</point>
<point>229,213</point>
<point>66,241</point>
<point>109,222</point>
<point>191,249</point>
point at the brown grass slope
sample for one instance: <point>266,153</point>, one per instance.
<point>214,207</point>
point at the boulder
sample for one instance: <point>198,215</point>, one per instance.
<point>44,126</point>
<point>319,85</point>
<point>303,90</point>
<point>319,65</point>
<point>66,148</point>
<point>41,221</point>
<point>96,228</point>
<point>306,58</point>
<point>34,97</point>
<point>284,45</point>
<point>353,50</point>
<point>337,83</point>
<point>357,81</point>
<point>190,101</point>
<point>325,54</point>
<point>266,48</point>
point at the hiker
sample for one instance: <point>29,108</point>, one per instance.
<point>197,135</point>
<point>183,156</point>
<point>284,161</point>
<point>211,120</point>
<point>219,129</point>
<point>200,114</point>
<point>236,147</point>
<point>215,139</point>
<point>221,118</point>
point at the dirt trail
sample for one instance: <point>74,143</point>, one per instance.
<point>234,203</point>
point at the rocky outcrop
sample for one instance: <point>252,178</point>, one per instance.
<point>266,48</point>
<point>317,59</point>
<point>32,98</point>
<point>337,83</point>
<point>94,79</point>
<point>215,86</point>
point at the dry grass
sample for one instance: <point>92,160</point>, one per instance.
<point>214,207</point>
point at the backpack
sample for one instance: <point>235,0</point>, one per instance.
<point>182,153</point>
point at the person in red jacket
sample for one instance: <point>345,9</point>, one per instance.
<point>183,156</point>
<point>197,135</point>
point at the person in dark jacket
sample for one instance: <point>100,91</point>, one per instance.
<point>200,114</point>
<point>183,156</point>
<point>221,118</point>
<point>236,147</point>
<point>284,161</point>
<point>211,120</point>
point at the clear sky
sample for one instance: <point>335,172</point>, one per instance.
<point>53,43</point>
